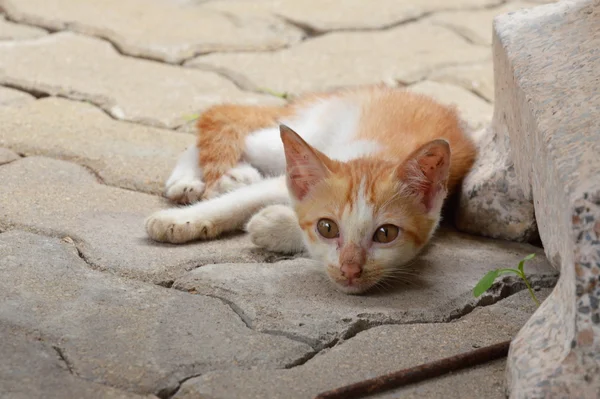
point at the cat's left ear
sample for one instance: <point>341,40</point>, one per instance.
<point>304,164</point>
<point>425,173</point>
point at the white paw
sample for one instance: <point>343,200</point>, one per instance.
<point>185,190</point>
<point>241,175</point>
<point>276,229</point>
<point>180,225</point>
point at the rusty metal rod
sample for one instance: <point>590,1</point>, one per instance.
<point>418,373</point>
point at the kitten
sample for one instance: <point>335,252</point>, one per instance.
<point>360,186</point>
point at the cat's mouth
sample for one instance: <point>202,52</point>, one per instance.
<point>350,286</point>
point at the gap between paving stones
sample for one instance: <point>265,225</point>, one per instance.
<point>312,32</point>
<point>309,31</point>
<point>500,290</point>
<point>104,292</point>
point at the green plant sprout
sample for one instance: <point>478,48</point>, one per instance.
<point>486,282</point>
<point>266,90</point>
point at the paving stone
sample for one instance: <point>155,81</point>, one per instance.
<point>349,58</point>
<point>477,78</point>
<point>473,109</point>
<point>106,223</point>
<point>326,15</point>
<point>143,91</point>
<point>7,156</point>
<point>476,26</point>
<point>10,96</point>
<point>12,31</point>
<point>126,334</point>
<point>295,297</point>
<point>158,29</point>
<point>122,154</point>
<point>32,368</point>
<point>381,350</point>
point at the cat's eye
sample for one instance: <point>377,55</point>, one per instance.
<point>328,228</point>
<point>386,233</point>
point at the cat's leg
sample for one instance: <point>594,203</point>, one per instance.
<point>209,219</point>
<point>243,174</point>
<point>276,229</point>
<point>222,133</point>
<point>185,185</point>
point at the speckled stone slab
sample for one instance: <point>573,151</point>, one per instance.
<point>547,64</point>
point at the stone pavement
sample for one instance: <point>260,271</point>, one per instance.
<point>96,100</point>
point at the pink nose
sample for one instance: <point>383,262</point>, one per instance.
<point>351,270</point>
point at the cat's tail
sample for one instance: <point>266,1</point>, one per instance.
<point>222,130</point>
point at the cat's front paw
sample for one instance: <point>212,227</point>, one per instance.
<point>177,226</point>
<point>185,190</point>
<point>276,229</point>
<point>241,175</point>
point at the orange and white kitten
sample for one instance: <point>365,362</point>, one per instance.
<point>360,185</point>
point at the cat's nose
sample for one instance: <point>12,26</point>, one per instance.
<point>351,270</point>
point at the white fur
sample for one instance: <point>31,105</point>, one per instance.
<point>329,126</point>
<point>241,175</point>
<point>185,184</point>
<point>208,219</point>
<point>276,229</point>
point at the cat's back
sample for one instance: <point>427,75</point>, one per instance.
<point>401,121</point>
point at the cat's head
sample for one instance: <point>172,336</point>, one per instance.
<point>366,218</point>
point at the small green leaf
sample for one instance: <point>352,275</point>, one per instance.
<point>485,283</point>
<point>191,117</point>
<point>525,259</point>
<point>274,93</point>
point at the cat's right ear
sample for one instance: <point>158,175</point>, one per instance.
<point>304,167</point>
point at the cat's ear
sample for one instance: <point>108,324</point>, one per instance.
<point>304,167</point>
<point>425,173</point>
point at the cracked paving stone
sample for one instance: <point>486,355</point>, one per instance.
<point>123,333</point>
<point>158,29</point>
<point>326,15</point>
<point>477,78</point>
<point>107,224</point>
<point>473,109</point>
<point>476,26</point>
<point>12,31</point>
<point>382,350</point>
<point>10,96</point>
<point>123,154</point>
<point>32,368</point>
<point>84,68</point>
<point>296,299</point>
<point>7,156</point>
<point>407,53</point>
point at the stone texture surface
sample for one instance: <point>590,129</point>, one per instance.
<point>476,26</point>
<point>106,223</point>
<point>477,78</point>
<point>126,334</point>
<point>492,202</point>
<point>348,58</point>
<point>381,350</point>
<point>130,89</point>
<point>476,111</point>
<point>33,368</point>
<point>10,96</point>
<point>158,29</point>
<point>295,297</point>
<point>7,156</point>
<point>12,31</point>
<point>546,60</point>
<point>122,154</point>
<point>327,15</point>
